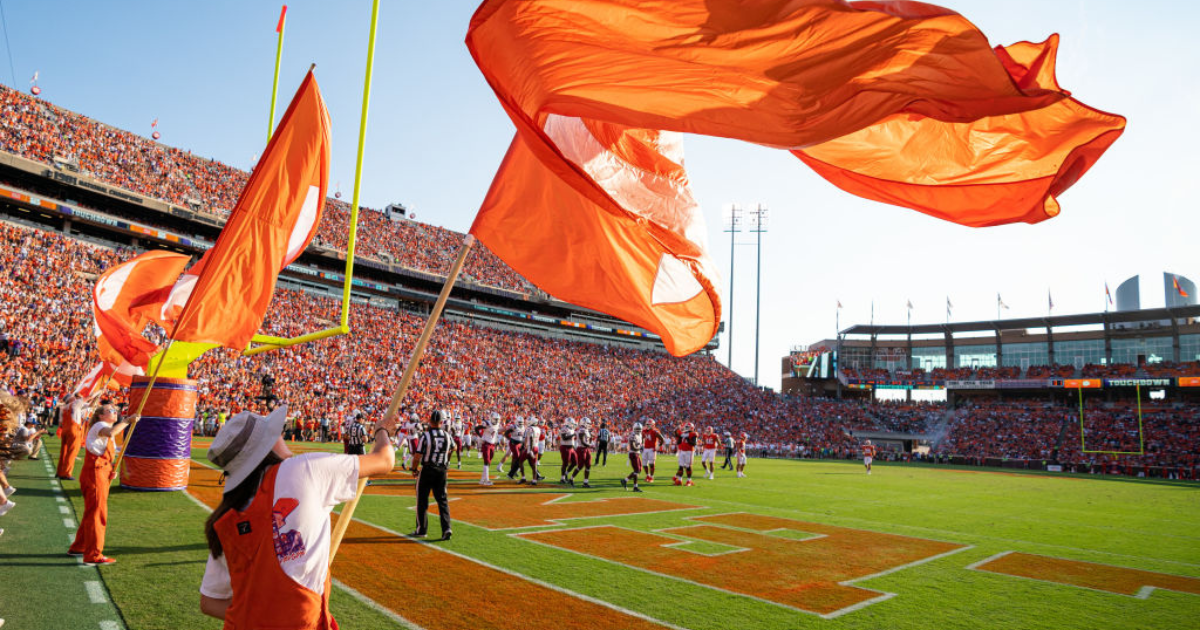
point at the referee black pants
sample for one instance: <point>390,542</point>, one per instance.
<point>602,449</point>
<point>432,479</point>
<point>728,459</point>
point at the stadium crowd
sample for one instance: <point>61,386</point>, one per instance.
<point>38,130</point>
<point>473,370</point>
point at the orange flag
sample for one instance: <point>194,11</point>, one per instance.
<point>99,376</point>
<point>592,203</point>
<point>991,171</point>
<point>228,291</point>
<point>122,307</point>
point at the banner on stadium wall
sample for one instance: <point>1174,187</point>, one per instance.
<point>1139,382</point>
<point>1023,383</point>
<point>1083,383</point>
<point>971,384</point>
<point>1189,381</point>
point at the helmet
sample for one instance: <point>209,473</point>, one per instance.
<point>520,421</point>
<point>587,422</point>
<point>413,416</point>
<point>728,434</point>
<point>650,422</point>
<point>709,430</point>
<point>494,419</point>
<point>688,426</point>
<point>745,437</point>
<point>569,422</point>
<point>637,427</point>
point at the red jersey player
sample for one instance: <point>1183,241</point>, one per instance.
<point>686,439</point>
<point>708,457</point>
<point>652,441</point>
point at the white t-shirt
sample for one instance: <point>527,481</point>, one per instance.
<point>78,410</point>
<point>317,482</point>
<point>95,443</point>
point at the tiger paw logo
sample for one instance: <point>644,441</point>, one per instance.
<point>288,545</point>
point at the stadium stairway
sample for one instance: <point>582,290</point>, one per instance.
<point>939,429</point>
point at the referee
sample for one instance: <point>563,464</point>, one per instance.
<point>356,436</point>
<point>602,443</point>
<point>430,461</point>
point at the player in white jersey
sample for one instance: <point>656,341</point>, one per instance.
<point>635,457</point>
<point>566,449</point>
<point>412,431</point>
<point>489,436</point>
<point>529,453</point>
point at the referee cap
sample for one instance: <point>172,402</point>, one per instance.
<point>244,441</point>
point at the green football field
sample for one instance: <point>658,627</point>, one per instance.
<point>793,545</point>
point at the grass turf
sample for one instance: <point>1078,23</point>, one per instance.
<point>1130,523</point>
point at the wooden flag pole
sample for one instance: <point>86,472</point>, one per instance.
<point>410,370</point>
<point>138,414</point>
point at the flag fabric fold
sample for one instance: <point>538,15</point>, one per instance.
<point>994,170</point>
<point>593,205</point>
<point>126,298</point>
<point>222,299</point>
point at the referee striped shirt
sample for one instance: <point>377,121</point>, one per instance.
<point>356,435</point>
<point>434,448</point>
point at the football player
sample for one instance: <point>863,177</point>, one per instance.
<point>651,443</point>
<point>635,457</point>
<point>584,438</point>
<point>868,451</point>
<point>489,435</point>
<point>739,448</point>
<point>708,456</point>
<point>566,449</point>
<point>686,439</point>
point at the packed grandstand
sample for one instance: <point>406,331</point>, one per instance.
<point>475,367</point>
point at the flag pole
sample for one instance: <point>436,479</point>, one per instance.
<point>410,370</point>
<point>275,85</point>
<point>138,414</point>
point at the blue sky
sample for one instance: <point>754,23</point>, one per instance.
<point>437,134</point>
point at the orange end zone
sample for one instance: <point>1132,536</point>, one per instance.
<point>1100,577</point>
<point>809,575</point>
<point>423,584</point>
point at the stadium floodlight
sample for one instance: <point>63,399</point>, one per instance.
<point>759,218</point>
<point>733,225</point>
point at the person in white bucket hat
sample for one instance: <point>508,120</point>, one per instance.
<point>269,538</point>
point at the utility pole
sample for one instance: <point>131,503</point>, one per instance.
<point>759,225</point>
<point>733,225</point>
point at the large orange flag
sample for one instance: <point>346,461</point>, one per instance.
<point>994,170</point>
<point>226,294</point>
<point>122,304</point>
<point>592,203</point>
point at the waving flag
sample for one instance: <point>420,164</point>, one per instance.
<point>1000,303</point>
<point>990,171</point>
<point>1178,287</point>
<point>592,203</point>
<point>127,297</point>
<point>223,298</point>
<point>1107,294</point>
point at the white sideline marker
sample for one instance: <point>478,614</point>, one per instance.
<point>95,592</point>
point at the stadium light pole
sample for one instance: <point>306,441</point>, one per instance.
<point>733,223</point>
<point>760,226</point>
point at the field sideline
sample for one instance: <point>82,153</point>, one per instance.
<point>795,545</point>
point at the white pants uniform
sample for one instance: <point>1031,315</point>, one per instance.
<point>709,456</point>
<point>741,458</point>
<point>648,455</point>
<point>867,461</point>
<point>685,458</point>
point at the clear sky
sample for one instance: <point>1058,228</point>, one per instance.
<point>437,134</point>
